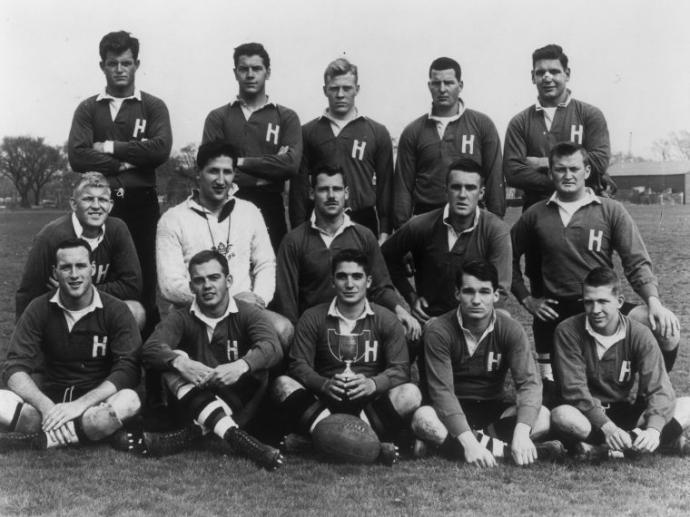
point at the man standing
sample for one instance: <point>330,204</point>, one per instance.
<point>556,117</point>
<point>86,344</point>
<point>360,146</point>
<point>429,144</point>
<point>216,354</point>
<point>599,357</point>
<point>115,260</point>
<point>266,138</point>
<point>573,232</point>
<point>440,240</point>
<point>213,218</point>
<point>125,134</point>
<point>469,351</point>
<point>376,387</point>
<point>304,257</point>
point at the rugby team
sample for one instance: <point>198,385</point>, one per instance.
<point>388,263</point>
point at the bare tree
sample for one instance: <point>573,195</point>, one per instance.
<point>676,146</point>
<point>177,176</point>
<point>29,164</point>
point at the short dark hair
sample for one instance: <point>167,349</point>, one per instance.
<point>603,276</point>
<point>340,66</point>
<point>205,256</point>
<point>214,149</point>
<point>446,63</point>
<point>329,170</point>
<point>480,269</point>
<point>466,165</point>
<point>73,243</point>
<point>551,51</point>
<point>117,43</point>
<point>251,49</point>
<point>350,255</point>
<point>567,149</point>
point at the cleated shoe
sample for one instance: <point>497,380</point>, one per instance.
<point>294,443</point>
<point>21,441</point>
<point>594,453</point>
<point>678,447</point>
<point>389,454</point>
<point>552,450</point>
<point>420,449</point>
<point>156,445</point>
<point>245,444</point>
<point>127,441</point>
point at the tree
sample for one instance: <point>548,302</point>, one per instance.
<point>29,164</point>
<point>177,176</point>
<point>676,146</point>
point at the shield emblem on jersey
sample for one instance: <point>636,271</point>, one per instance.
<point>349,347</point>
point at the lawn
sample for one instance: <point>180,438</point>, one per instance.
<point>100,481</point>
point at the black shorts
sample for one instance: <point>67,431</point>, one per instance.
<point>481,413</point>
<point>625,414</point>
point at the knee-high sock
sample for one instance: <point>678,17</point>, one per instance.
<point>207,409</point>
<point>301,411</point>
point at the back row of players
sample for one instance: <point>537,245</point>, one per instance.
<point>216,263</point>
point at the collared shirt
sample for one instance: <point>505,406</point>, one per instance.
<point>442,122</point>
<point>453,236</point>
<point>116,102</point>
<point>605,342</point>
<point>248,110</point>
<point>472,342</point>
<point>72,317</point>
<point>346,325</point>
<point>550,112</point>
<point>338,125</point>
<point>327,237</point>
<point>566,209</point>
<point>210,322</point>
<point>79,232</point>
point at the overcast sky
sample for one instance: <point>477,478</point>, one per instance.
<point>628,57</point>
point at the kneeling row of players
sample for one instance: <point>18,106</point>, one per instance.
<point>224,365</point>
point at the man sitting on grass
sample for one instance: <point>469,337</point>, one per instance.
<point>469,351</point>
<point>86,343</point>
<point>598,354</point>
<point>378,388</point>
<point>216,354</point>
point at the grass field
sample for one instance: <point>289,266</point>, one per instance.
<point>100,481</point>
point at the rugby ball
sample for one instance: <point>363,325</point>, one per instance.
<point>343,438</point>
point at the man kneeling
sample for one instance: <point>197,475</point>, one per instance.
<point>349,356</point>
<point>215,354</point>
<point>468,353</point>
<point>86,343</point>
<point>597,356</point>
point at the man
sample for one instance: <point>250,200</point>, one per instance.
<point>556,117</point>
<point>597,356</point>
<point>115,259</point>
<point>469,351</point>
<point>440,240</point>
<point>376,385</point>
<point>305,256</point>
<point>86,344</point>
<point>361,146</point>
<point>575,231</point>
<point>265,136</point>
<point>213,218</point>
<point>429,144</point>
<point>216,354</point>
<point>125,134</point>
